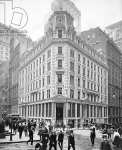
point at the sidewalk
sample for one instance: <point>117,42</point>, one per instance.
<point>86,132</point>
<point>15,138</point>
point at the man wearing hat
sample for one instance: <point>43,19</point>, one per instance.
<point>71,141</point>
<point>53,141</point>
<point>60,140</point>
<point>105,145</point>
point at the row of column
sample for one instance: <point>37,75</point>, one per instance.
<point>37,110</point>
<point>48,110</point>
<point>89,111</point>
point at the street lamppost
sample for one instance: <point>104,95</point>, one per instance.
<point>11,129</point>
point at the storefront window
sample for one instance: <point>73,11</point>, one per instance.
<point>78,110</point>
<point>69,109</point>
<point>42,110</point>
<point>46,109</point>
<point>50,109</point>
<point>73,110</point>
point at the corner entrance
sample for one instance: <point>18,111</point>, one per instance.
<point>59,114</point>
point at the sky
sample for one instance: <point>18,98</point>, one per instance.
<point>94,13</point>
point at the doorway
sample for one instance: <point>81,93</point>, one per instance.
<point>59,114</point>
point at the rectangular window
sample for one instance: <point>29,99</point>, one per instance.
<point>84,83</point>
<point>48,79</point>
<point>43,81</point>
<point>78,94</point>
<point>71,53</point>
<point>59,33</point>
<point>94,67</point>
<point>59,78</point>
<point>91,65</point>
<point>40,70</point>
<point>72,66</point>
<point>78,69</point>
<point>60,91</point>
<point>88,85</point>
<point>88,73</point>
<point>84,60</point>
<point>42,94</point>
<point>78,82</point>
<point>88,63</point>
<point>95,87</point>
<point>48,66</point>
<point>40,83</point>
<point>40,60</point>
<point>49,54</point>
<point>60,63</point>
<point>37,62</point>
<point>71,93</point>
<point>60,50</point>
<point>48,93</point>
<point>72,80</point>
<point>84,71</point>
<point>91,86</point>
<point>79,57</point>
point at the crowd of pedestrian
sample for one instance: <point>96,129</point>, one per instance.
<point>110,137</point>
<point>50,138</point>
<point>53,139</point>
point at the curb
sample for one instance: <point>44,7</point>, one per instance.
<point>12,142</point>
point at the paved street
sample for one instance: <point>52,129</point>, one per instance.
<point>82,143</point>
<point>81,139</point>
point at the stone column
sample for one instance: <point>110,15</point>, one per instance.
<point>76,121</point>
<point>65,113</point>
<point>53,114</point>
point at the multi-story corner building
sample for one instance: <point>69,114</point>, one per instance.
<point>19,44</point>
<point>103,44</point>
<point>115,32</point>
<point>62,79</point>
<point>4,83</point>
<point>4,43</point>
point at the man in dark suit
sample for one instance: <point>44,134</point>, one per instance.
<point>71,140</point>
<point>53,141</point>
<point>60,140</point>
<point>45,138</point>
<point>30,136</point>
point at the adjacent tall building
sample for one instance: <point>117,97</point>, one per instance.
<point>115,32</point>
<point>4,43</point>
<point>62,79</point>
<point>104,45</point>
<point>4,89</point>
<point>18,45</point>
